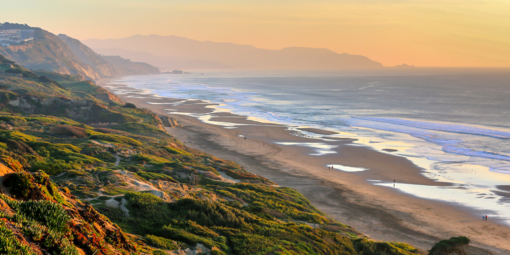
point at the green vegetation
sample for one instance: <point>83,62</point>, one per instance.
<point>233,228</point>
<point>155,176</point>
<point>24,72</point>
<point>161,242</point>
<point>9,244</point>
<point>130,105</point>
<point>116,139</point>
<point>454,245</point>
<point>177,151</point>
<point>46,222</point>
<point>283,203</point>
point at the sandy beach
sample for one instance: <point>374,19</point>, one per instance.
<point>277,153</point>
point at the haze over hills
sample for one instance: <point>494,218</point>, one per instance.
<point>89,57</point>
<point>65,55</point>
<point>168,52</point>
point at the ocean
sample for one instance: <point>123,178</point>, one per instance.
<point>454,123</point>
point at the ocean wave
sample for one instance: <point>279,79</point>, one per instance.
<point>474,153</point>
<point>274,106</point>
<point>445,127</point>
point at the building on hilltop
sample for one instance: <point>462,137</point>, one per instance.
<point>16,36</point>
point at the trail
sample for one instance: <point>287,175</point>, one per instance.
<point>117,159</point>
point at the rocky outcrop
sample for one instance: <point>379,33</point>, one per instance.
<point>169,122</point>
<point>199,249</point>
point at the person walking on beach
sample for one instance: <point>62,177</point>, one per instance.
<point>485,217</point>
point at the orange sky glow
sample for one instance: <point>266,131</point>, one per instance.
<point>420,32</point>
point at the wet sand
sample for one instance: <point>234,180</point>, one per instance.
<point>318,131</point>
<point>383,213</point>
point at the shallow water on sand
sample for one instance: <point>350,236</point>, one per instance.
<point>455,124</point>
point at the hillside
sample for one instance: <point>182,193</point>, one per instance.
<point>170,52</point>
<point>47,52</point>
<point>89,57</point>
<point>127,67</point>
<point>64,55</point>
<point>79,169</point>
<point>108,66</point>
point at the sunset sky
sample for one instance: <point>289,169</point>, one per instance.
<point>419,32</point>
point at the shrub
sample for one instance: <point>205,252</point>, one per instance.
<point>130,105</point>
<point>24,72</point>
<point>154,176</point>
<point>20,147</point>
<point>174,150</point>
<point>69,131</point>
<point>47,213</point>
<point>14,156</point>
<point>10,245</point>
<point>21,184</point>
<point>109,130</point>
<point>141,200</point>
<point>364,246</point>
<point>184,236</point>
<point>137,128</point>
<point>151,159</point>
<point>53,167</point>
<point>18,136</point>
<point>116,139</point>
<point>161,242</point>
<point>454,245</point>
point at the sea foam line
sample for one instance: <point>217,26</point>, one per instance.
<point>446,127</point>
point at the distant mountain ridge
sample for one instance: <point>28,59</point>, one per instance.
<point>108,66</point>
<point>127,67</point>
<point>65,55</point>
<point>168,52</point>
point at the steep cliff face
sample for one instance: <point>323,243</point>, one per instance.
<point>89,57</point>
<point>65,55</point>
<point>107,66</point>
<point>47,52</point>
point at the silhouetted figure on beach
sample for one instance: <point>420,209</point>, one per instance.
<point>485,217</point>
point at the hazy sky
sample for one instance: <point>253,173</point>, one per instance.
<point>419,32</point>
